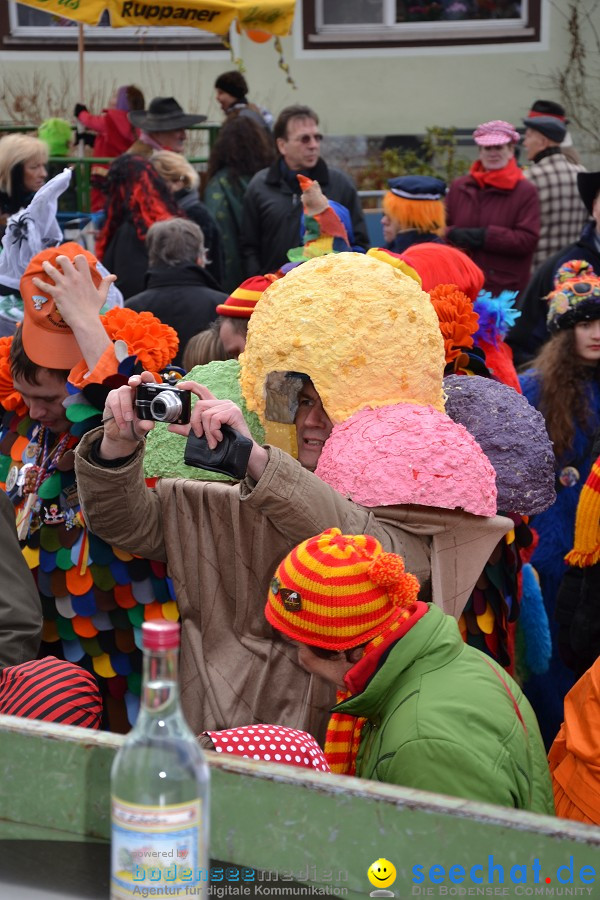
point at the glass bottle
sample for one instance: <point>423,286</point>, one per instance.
<point>160,787</point>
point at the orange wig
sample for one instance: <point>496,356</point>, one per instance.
<point>424,215</point>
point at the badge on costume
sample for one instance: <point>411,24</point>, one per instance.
<point>53,515</point>
<point>291,600</point>
<point>12,478</point>
<point>569,476</point>
<point>29,476</point>
<point>31,451</point>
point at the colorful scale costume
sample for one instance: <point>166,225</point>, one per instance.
<point>94,596</point>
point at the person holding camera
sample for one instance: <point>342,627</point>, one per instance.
<point>222,543</point>
<point>54,375</point>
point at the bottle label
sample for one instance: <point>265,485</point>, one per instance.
<point>158,847</point>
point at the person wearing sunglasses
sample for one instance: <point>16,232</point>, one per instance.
<point>272,203</point>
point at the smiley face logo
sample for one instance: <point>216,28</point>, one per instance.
<point>381,873</point>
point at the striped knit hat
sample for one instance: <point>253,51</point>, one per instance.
<point>240,304</point>
<point>337,591</point>
<point>51,690</point>
<point>586,548</point>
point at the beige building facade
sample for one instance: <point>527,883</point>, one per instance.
<point>369,67</point>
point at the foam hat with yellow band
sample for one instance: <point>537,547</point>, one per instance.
<point>395,260</point>
<point>338,591</point>
<point>241,302</point>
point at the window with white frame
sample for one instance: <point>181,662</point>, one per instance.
<point>26,24</point>
<point>359,22</point>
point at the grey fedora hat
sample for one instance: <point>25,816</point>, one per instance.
<point>163,114</point>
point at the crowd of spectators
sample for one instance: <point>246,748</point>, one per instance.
<point>242,291</point>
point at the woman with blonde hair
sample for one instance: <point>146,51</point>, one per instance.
<point>183,181</point>
<point>23,171</point>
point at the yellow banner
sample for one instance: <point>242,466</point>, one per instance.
<point>86,11</point>
<point>216,16</point>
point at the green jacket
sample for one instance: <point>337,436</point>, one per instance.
<point>440,719</point>
<point>224,198</point>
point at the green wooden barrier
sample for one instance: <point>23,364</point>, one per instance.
<point>322,831</point>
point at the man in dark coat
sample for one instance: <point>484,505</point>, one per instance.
<point>272,202</point>
<point>179,290</point>
<point>530,331</point>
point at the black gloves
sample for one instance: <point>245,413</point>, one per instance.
<point>471,238</point>
<point>79,108</point>
<point>87,137</point>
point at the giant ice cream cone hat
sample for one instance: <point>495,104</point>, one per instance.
<point>369,339</point>
<point>365,334</point>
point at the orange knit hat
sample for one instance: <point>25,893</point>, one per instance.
<point>338,591</point>
<point>241,302</point>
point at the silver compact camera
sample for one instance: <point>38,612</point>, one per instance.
<point>163,403</point>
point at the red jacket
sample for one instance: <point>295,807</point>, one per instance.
<point>115,132</point>
<point>512,223</point>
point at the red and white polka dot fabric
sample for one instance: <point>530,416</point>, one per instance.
<point>272,743</point>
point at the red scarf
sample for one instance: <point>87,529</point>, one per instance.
<point>344,731</point>
<point>506,178</point>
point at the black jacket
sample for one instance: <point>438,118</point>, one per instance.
<point>272,213</point>
<point>126,257</point>
<point>529,331</point>
<point>195,210</point>
<point>577,608</point>
<point>406,239</point>
<point>185,297</point>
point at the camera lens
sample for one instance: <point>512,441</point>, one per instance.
<point>166,407</point>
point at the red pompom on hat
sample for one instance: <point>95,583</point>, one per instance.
<point>241,303</point>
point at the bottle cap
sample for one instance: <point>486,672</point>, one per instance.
<point>160,635</point>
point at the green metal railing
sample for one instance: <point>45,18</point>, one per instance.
<point>82,164</point>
